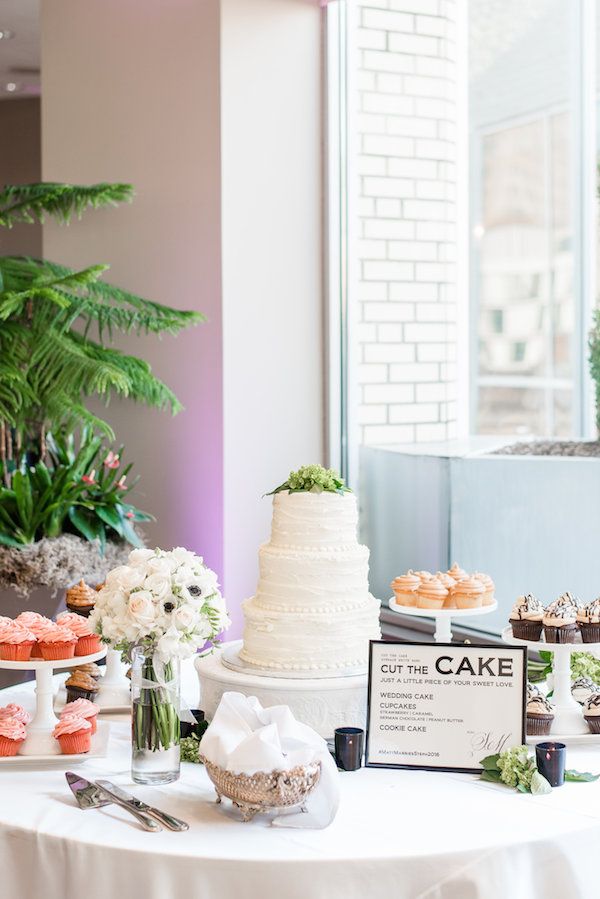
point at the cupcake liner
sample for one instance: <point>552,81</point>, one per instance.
<point>72,744</point>
<point>593,722</point>
<point>526,630</point>
<point>565,634</point>
<point>539,725</point>
<point>9,747</point>
<point>467,602</point>
<point>88,645</point>
<point>56,651</point>
<point>84,611</point>
<point>36,652</point>
<point>590,632</point>
<point>16,652</point>
<point>74,693</point>
<point>423,603</point>
<point>405,599</point>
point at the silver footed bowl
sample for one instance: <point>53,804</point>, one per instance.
<point>264,791</point>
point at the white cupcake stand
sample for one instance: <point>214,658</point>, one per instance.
<point>569,723</point>
<point>40,744</point>
<point>443,617</point>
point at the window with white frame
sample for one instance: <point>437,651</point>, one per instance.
<point>468,233</point>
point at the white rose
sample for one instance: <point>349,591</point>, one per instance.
<point>185,556</point>
<point>159,585</point>
<point>159,565</point>
<point>125,577</point>
<point>141,608</point>
<point>140,556</point>
<point>184,618</point>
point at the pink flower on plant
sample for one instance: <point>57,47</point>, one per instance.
<point>90,478</point>
<point>112,460</point>
<point>129,515</point>
<point>121,485</point>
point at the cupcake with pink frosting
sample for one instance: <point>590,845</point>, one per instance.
<point>83,708</point>
<point>34,622</point>
<point>88,641</point>
<point>16,643</point>
<point>12,710</point>
<point>12,736</point>
<point>74,734</point>
<point>57,642</point>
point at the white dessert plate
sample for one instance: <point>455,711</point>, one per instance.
<point>38,664</point>
<point>230,659</point>
<point>508,637</point>
<point>99,750</point>
<point>440,613</point>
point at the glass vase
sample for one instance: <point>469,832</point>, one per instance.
<point>154,719</point>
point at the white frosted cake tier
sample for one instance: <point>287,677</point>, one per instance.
<point>312,610</point>
<point>297,580</point>
<point>314,520</point>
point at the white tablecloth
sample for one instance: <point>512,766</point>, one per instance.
<point>400,834</point>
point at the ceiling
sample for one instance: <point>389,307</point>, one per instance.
<point>20,56</point>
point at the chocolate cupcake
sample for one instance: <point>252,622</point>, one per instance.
<point>582,688</point>
<point>90,669</point>
<point>526,618</point>
<point>81,686</point>
<point>560,620</point>
<point>540,715</point>
<point>81,599</point>
<point>588,619</point>
<point>591,713</point>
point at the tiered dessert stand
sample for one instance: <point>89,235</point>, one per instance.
<point>115,688</point>
<point>443,617</point>
<point>40,744</point>
<point>569,725</point>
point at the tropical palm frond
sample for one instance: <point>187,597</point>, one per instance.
<point>32,202</point>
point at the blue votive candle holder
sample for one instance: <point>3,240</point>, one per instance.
<point>349,744</point>
<point>550,759</point>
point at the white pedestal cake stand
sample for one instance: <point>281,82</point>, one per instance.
<point>114,694</point>
<point>322,702</point>
<point>40,741</point>
<point>443,617</point>
<point>569,723</point>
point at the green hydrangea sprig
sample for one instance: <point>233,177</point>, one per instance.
<point>516,768</point>
<point>313,479</point>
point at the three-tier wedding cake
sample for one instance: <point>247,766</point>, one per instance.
<point>312,611</point>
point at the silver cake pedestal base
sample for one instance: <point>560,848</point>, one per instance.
<point>321,701</point>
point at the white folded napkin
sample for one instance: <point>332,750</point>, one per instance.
<point>245,738</point>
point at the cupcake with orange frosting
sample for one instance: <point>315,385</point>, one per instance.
<point>488,597</point>
<point>405,588</point>
<point>468,593</point>
<point>74,734</point>
<point>81,598</point>
<point>88,640</point>
<point>57,642</point>
<point>16,643</point>
<point>457,572</point>
<point>84,709</point>
<point>431,594</point>
<point>12,736</point>
<point>448,583</point>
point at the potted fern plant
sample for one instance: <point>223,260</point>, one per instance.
<point>64,503</point>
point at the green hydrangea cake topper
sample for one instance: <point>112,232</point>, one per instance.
<point>313,479</point>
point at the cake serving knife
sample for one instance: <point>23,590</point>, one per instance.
<point>91,795</point>
<point>169,821</point>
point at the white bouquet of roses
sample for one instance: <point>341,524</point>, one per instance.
<point>167,603</point>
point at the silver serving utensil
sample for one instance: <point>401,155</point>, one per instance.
<point>169,821</point>
<point>91,795</point>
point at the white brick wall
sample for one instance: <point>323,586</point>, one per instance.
<point>405,167</point>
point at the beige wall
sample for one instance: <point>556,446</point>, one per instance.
<point>20,163</point>
<point>213,110</point>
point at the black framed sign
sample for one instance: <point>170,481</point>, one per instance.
<point>443,706</point>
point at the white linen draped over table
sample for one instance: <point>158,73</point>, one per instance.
<point>400,834</point>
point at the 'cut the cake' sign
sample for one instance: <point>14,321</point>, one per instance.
<point>443,706</point>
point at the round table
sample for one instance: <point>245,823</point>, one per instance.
<point>400,834</point>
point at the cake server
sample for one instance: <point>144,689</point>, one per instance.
<point>169,821</point>
<point>91,795</point>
